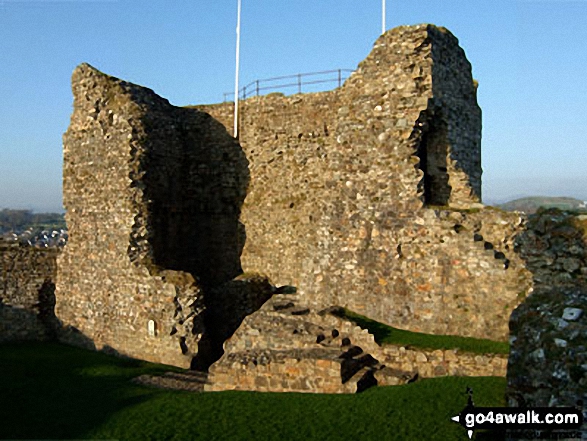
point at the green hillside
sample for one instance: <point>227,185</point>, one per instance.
<point>530,205</point>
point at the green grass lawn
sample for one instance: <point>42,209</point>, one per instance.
<point>52,391</point>
<point>388,335</point>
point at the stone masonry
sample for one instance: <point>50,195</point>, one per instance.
<point>547,364</point>
<point>368,196</point>
<point>153,195</point>
<point>27,286</point>
<point>286,346</point>
<point>365,197</point>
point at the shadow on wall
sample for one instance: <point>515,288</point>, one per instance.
<point>195,177</point>
<point>554,248</point>
<point>433,154</point>
<point>227,306</point>
<point>196,190</point>
<point>547,361</point>
<point>38,323</point>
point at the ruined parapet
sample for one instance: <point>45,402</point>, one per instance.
<point>368,196</point>
<point>412,102</point>
<point>287,346</point>
<point>430,363</point>
<point>27,285</point>
<point>554,248</point>
<point>153,195</point>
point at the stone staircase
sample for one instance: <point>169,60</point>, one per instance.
<point>490,247</point>
<point>286,346</point>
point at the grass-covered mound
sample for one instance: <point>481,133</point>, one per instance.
<point>51,391</point>
<point>385,334</point>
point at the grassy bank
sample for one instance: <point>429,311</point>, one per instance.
<point>385,334</point>
<point>51,391</point>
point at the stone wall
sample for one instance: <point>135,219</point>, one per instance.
<point>153,195</point>
<point>548,356</point>
<point>442,362</point>
<point>27,285</point>
<point>554,248</point>
<point>367,196</point>
<point>341,204</point>
<point>300,373</point>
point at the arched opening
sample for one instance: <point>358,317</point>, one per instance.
<point>433,154</point>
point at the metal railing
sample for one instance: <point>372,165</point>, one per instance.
<point>298,80</point>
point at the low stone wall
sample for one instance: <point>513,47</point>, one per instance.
<point>27,300</point>
<point>291,371</point>
<point>439,363</point>
<point>286,346</point>
<point>291,374</point>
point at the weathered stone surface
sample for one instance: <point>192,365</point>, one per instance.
<point>313,352</point>
<point>153,195</point>
<point>554,248</point>
<point>319,352</point>
<point>548,362</point>
<point>27,285</point>
<point>548,357</point>
<point>227,305</point>
<point>367,196</point>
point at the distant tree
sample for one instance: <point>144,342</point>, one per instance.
<point>20,220</point>
<point>13,220</point>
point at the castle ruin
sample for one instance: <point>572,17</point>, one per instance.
<point>366,197</point>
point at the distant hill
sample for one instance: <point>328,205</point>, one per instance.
<point>529,205</point>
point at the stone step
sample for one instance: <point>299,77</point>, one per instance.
<point>173,381</point>
<point>300,329</point>
<point>489,248</point>
<point>189,376</point>
<point>391,377</point>
<point>350,367</point>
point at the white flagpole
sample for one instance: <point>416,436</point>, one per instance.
<point>238,42</point>
<point>383,17</point>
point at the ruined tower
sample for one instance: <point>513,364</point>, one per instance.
<point>153,195</point>
<point>368,196</point>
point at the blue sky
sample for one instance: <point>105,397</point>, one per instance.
<point>529,56</point>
